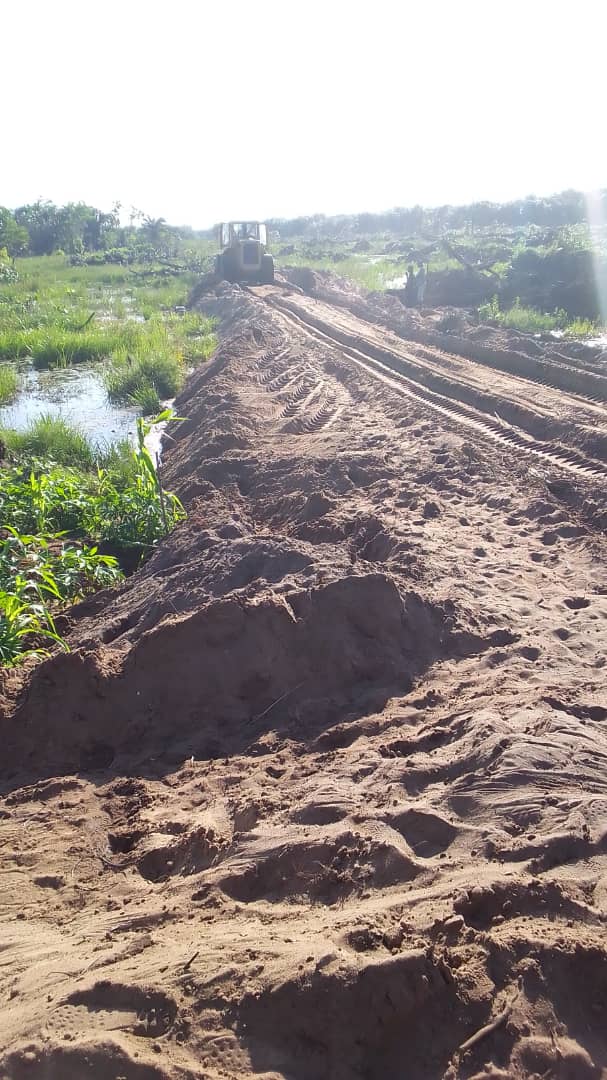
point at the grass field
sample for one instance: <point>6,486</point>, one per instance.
<point>57,315</point>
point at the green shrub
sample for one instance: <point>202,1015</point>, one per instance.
<point>120,503</point>
<point>580,328</point>
<point>490,312</point>
<point>39,574</point>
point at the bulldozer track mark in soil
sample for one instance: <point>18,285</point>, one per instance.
<point>389,370</point>
<point>283,380</point>
<point>311,422</point>
<point>300,398</point>
<point>579,381</point>
<point>269,356</point>
<point>595,401</point>
<point>436,367</point>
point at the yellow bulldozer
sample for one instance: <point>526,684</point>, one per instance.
<point>244,255</point>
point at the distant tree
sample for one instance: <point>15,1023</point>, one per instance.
<point>13,237</point>
<point>100,230</point>
<point>42,223</point>
<point>163,238</point>
<point>72,228</point>
<point>154,230</point>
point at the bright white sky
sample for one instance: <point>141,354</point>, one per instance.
<point>200,110</point>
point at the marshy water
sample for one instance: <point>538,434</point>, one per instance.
<point>76,393</point>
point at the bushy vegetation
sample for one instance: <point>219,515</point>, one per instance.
<point>530,320</point>
<point>546,270</point>
<point>111,501</point>
<point>38,576</point>
<point>549,252</point>
<point>53,520</point>
<point>555,211</point>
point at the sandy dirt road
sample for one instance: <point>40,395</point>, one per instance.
<point>320,793</point>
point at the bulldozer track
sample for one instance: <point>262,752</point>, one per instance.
<point>433,353</point>
<point>282,381</point>
<point>265,376</point>
<point>559,374</point>
<point>390,371</point>
<point>304,393</point>
<point>434,366</point>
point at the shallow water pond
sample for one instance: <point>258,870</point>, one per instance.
<point>77,394</point>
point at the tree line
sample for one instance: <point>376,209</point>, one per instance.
<point>42,228</point>
<point>556,211</point>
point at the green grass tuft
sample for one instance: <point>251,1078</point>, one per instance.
<point>9,383</point>
<point>130,377</point>
<point>528,320</point>
<point>57,346</point>
<point>147,399</point>
<point>51,437</point>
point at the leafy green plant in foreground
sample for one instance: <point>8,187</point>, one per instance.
<point>52,519</point>
<point>115,503</point>
<point>19,619</point>
<point>38,574</point>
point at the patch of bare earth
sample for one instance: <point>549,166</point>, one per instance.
<point>320,793</point>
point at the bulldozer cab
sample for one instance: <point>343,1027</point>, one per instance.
<point>232,232</point>
<point>244,256</point>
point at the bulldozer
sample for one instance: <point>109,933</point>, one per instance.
<point>244,253</point>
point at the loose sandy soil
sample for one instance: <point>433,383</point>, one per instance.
<point>321,791</point>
